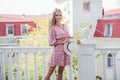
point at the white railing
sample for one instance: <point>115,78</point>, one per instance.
<point>11,51</point>
<point>86,61</point>
<point>7,55</point>
<point>10,55</point>
<point>109,62</point>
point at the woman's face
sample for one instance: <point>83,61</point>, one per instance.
<point>58,16</point>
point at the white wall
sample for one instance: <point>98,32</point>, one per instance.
<point>107,42</point>
<point>80,16</point>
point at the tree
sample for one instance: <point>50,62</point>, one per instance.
<point>38,35</point>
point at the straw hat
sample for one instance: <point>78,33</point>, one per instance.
<point>72,48</point>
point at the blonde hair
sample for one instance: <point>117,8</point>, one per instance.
<point>52,21</point>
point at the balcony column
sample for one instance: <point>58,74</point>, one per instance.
<point>103,52</point>
<point>114,75</point>
<point>86,56</point>
<point>86,62</point>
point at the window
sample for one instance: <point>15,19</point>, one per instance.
<point>86,6</point>
<point>24,30</point>
<point>108,30</point>
<point>109,60</point>
<point>9,30</point>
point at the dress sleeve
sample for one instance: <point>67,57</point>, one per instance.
<point>51,37</point>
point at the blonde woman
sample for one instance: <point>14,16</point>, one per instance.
<point>57,35</point>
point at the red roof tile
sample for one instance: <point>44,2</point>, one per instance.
<point>113,11</point>
<point>111,14</point>
<point>111,17</point>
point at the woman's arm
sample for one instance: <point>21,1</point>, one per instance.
<point>62,42</point>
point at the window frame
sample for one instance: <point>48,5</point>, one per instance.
<point>109,60</point>
<point>108,30</point>
<point>22,29</point>
<point>9,25</point>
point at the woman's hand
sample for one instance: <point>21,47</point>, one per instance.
<point>66,40</point>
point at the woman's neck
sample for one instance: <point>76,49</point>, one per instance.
<point>58,24</point>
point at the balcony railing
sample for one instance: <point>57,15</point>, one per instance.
<point>19,55</point>
<point>6,59</point>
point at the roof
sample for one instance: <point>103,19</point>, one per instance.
<point>20,18</point>
<point>111,14</point>
<point>113,11</point>
<point>111,17</point>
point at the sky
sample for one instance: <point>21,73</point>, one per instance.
<point>26,6</point>
<point>40,6</point>
<point>110,4</point>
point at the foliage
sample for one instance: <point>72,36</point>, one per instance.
<point>38,36</point>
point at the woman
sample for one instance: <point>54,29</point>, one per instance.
<point>57,35</point>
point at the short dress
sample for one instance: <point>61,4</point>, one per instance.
<point>58,56</point>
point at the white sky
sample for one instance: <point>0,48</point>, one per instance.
<point>26,6</point>
<point>40,6</point>
<point>111,4</point>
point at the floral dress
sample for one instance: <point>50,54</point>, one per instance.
<point>58,56</point>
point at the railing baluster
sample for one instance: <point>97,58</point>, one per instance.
<point>35,67</point>
<point>53,76</point>
<point>70,76</point>
<point>26,67</point>
<point>18,67</point>
<point>103,65</point>
<point>10,76</point>
<point>44,65</point>
<point>2,67</point>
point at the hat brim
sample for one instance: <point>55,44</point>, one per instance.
<point>71,48</point>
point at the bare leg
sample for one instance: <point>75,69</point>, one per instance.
<point>60,72</point>
<point>49,73</point>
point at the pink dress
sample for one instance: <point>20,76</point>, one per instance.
<point>58,56</point>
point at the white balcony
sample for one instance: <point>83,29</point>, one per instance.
<point>18,59</point>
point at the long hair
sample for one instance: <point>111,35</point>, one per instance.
<point>52,21</point>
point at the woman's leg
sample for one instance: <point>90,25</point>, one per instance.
<point>60,72</point>
<point>49,73</point>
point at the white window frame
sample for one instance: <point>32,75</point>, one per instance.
<point>108,30</point>
<point>8,25</point>
<point>22,29</point>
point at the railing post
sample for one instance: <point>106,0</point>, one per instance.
<point>86,57</point>
<point>86,62</point>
